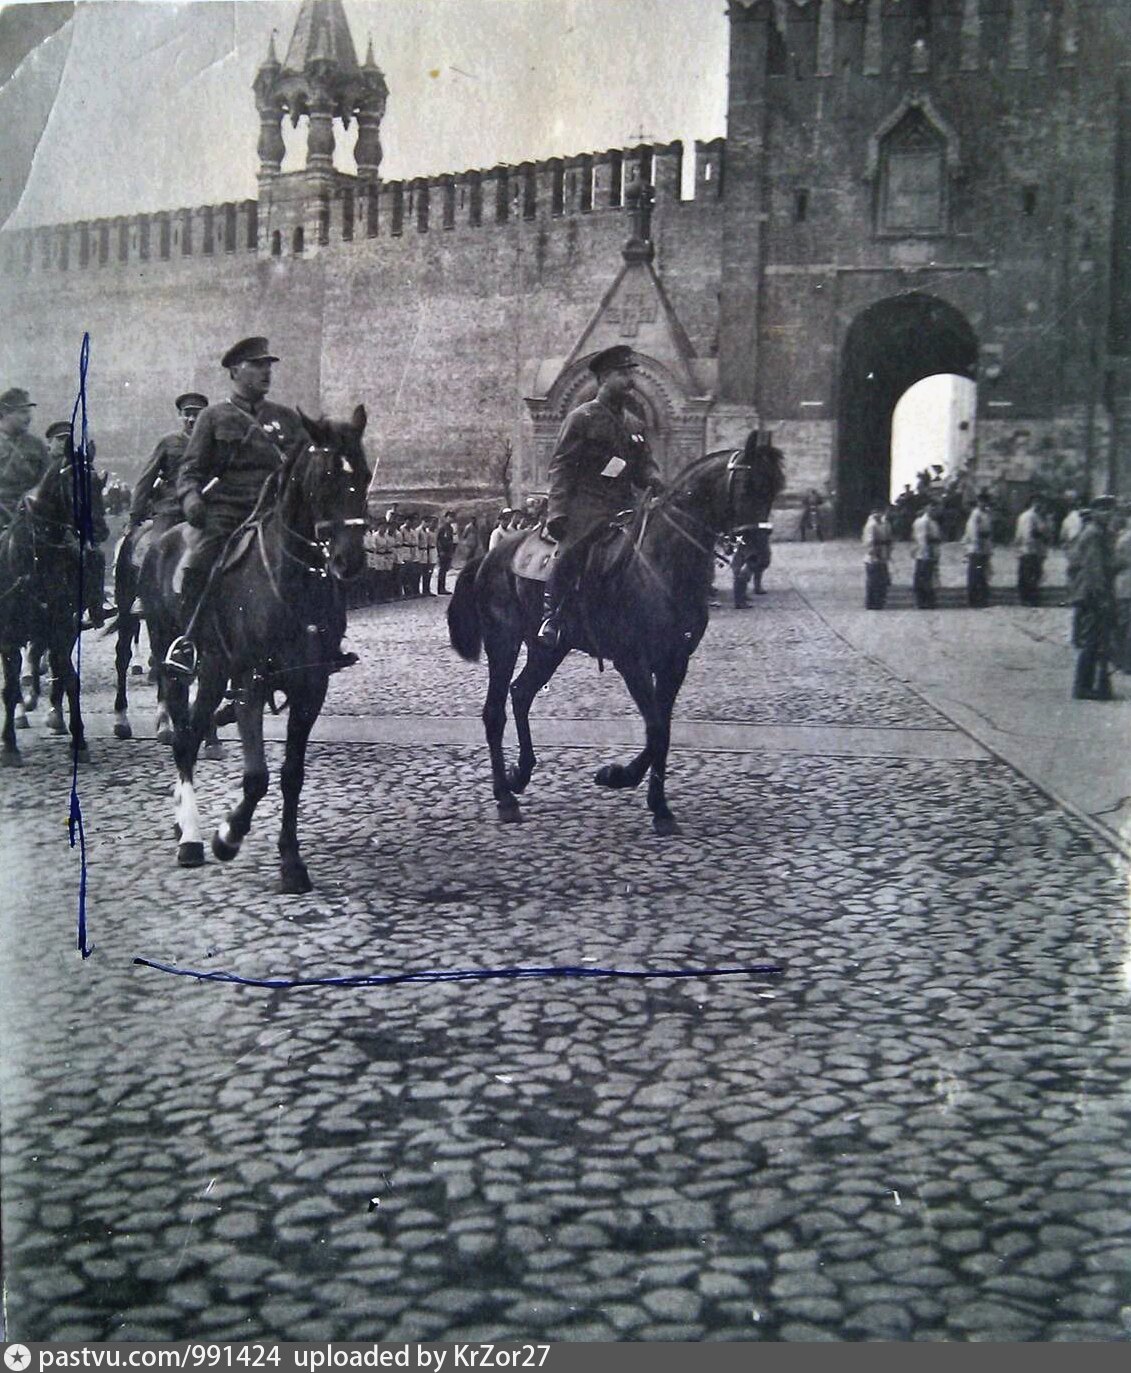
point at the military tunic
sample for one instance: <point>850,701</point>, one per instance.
<point>23,461</point>
<point>240,447</point>
<point>601,459</point>
<point>155,495</point>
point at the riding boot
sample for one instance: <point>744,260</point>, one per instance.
<point>1085,671</point>
<point>549,632</point>
<point>181,658</point>
<point>1103,691</point>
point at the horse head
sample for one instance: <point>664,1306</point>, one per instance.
<point>754,478</point>
<point>331,478</point>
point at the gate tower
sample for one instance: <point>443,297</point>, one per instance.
<point>920,186</point>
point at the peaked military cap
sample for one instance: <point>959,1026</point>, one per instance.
<point>619,355</point>
<point>248,350</point>
<point>59,427</point>
<point>15,399</point>
<point>1102,503</point>
<point>191,400</point>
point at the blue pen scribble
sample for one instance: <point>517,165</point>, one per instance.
<point>459,975</point>
<point>82,472</point>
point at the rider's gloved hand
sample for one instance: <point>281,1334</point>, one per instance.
<point>196,512</point>
<point>556,528</point>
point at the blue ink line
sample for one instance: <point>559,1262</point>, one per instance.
<point>460,975</point>
<point>83,516</point>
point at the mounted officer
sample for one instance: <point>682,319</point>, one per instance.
<point>155,495</point>
<point>601,459</point>
<point>61,452</point>
<point>23,457</point>
<point>234,447</point>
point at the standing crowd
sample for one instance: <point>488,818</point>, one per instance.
<point>1096,539</point>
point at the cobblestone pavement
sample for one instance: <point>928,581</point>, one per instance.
<point>918,1131</point>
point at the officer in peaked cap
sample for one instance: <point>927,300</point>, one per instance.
<point>1091,592</point>
<point>601,460</point>
<point>234,447</point>
<point>155,495</point>
<point>23,457</point>
<point>61,452</point>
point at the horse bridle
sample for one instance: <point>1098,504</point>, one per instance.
<point>324,531</point>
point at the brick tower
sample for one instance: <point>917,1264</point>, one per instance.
<point>321,79</point>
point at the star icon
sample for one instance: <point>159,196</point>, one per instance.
<point>17,1357</point>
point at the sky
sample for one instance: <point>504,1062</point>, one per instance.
<point>135,105</point>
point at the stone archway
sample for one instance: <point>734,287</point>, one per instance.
<point>674,423</point>
<point>889,347</point>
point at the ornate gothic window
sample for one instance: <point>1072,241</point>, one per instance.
<point>912,178</point>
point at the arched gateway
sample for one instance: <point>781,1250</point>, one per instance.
<point>889,347</point>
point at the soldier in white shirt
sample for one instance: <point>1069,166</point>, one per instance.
<point>926,541</point>
<point>1031,537</point>
<point>877,540</point>
<point>979,540</point>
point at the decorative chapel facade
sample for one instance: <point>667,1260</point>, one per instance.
<point>907,187</point>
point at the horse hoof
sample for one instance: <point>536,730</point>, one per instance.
<point>21,722</point>
<point>31,702</point>
<point>55,723</point>
<point>612,775</point>
<point>224,852</point>
<point>665,825</point>
<point>122,730</point>
<point>190,855</point>
<point>516,782</point>
<point>510,814</point>
<point>165,735</point>
<point>10,758</point>
<point>214,751</point>
<point>295,881</point>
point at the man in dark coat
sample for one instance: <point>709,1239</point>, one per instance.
<point>94,529</point>
<point>600,461</point>
<point>1091,574</point>
<point>445,551</point>
<point>23,457</point>
<point>155,495</point>
<point>234,447</point>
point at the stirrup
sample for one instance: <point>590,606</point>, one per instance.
<point>181,659</point>
<point>549,634</point>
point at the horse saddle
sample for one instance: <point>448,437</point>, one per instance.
<point>535,556</point>
<point>195,544</point>
<point>605,551</point>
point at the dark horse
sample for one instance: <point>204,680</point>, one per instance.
<point>40,602</point>
<point>646,615</point>
<point>126,626</point>
<point>273,620</point>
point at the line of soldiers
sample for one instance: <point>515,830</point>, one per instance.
<point>1033,536</point>
<point>24,461</point>
<point>402,551</point>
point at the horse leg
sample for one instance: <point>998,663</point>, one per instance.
<point>123,651</point>
<point>10,755</point>
<point>66,682</point>
<point>189,727</point>
<point>30,683</point>
<point>649,701</point>
<point>304,707</point>
<point>231,834</point>
<point>502,654</point>
<point>540,667</point>
<point>669,679</point>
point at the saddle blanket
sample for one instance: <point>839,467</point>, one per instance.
<point>535,557</point>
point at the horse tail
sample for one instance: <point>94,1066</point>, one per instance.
<point>464,628</point>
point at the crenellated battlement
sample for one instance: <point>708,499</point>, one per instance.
<point>352,209</point>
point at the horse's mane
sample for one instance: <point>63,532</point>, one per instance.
<point>697,467</point>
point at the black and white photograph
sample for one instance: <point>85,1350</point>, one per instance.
<point>565,610</point>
